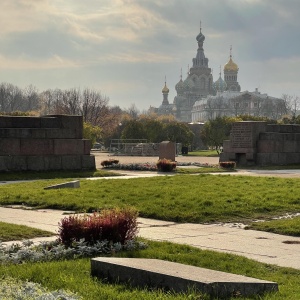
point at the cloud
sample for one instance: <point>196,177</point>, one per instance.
<point>24,63</point>
<point>138,42</point>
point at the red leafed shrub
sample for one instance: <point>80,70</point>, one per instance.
<point>227,164</point>
<point>114,225</point>
<point>166,165</point>
<point>109,162</point>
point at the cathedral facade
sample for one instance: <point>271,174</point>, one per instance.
<point>199,98</point>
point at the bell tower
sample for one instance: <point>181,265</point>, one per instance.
<point>230,74</point>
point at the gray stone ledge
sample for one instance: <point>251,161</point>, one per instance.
<point>177,277</point>
<point>70,184</point>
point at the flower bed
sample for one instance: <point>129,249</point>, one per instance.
<point>11,288</point>
<point>135,167</point>
<point>108,231</point>
<point>115,225</point>
<point>51,251</point>
<point>153,167</point>
<point>227,164</point>
<point>166,165</point>
<point>109,163</point>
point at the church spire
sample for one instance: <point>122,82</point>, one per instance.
<point>200,60</point>
<point>231,74</point>
<point>165,92</point>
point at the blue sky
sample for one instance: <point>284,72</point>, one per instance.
<point>125,48</point>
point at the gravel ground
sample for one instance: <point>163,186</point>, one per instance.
<point>99,156</point>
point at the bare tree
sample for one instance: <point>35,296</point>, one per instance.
<point>292,104</point>
<point>94,107</point>
<point>71,102</point>
<point>31,98</point>
<point>46,102</point>
<point>133,111</point>
<point>11,97</point>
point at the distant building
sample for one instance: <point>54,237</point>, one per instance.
<point>233,103</point>
<point>199,98</point>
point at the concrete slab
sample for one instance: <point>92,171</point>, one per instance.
<point>258,245</point>
<point>177,277</point>
<point>70,184</point>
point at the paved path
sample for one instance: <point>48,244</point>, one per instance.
<point>261,246</point>
<point>184,159</point>
<point>231,238</point>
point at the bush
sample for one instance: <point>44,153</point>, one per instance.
<point>11,288</point>
<point>227,164</point>
<point>114,225</point>
<point>109,162</point>
<point>91,132</point>
<point>28,251</point>
<point>166,165</point>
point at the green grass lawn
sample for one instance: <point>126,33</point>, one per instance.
<point>208,153</point>
<point>282,226</point>
<point>12,232</point>
<point>186,198</point>
<point>74,275</point>
<point>201,170</point>
<point>183,198</point>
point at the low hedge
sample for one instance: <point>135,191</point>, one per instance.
<point>227,164</point>
<point>109,162</point>
<point>166,165</point>
<point>114,225</point>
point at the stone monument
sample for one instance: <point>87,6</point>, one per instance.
<point>259,143</point>
<point>52,142</point>
<point>167,150</point>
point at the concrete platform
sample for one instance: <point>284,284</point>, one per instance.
<point>177,277</point>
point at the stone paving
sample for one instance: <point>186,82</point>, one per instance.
<point>262,246</point>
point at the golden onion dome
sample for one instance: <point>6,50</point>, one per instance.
<point>231,66</point>
<point>165,89</point>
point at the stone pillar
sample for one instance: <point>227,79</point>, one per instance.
<point>167,150</point>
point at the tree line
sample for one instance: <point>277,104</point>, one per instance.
<point>103,122</point>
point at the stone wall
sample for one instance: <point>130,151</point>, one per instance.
<point>256,143</point>
<point>52,142</point>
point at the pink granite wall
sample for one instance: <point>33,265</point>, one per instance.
<point>53,142</point>
<point>167,150</point>
<point>256,143</point>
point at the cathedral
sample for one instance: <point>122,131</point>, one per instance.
<point>199,98</point>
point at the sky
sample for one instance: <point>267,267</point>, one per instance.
<point>126,48</point>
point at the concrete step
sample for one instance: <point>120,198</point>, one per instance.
<point>70,184</point>
<point>177,277</point>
